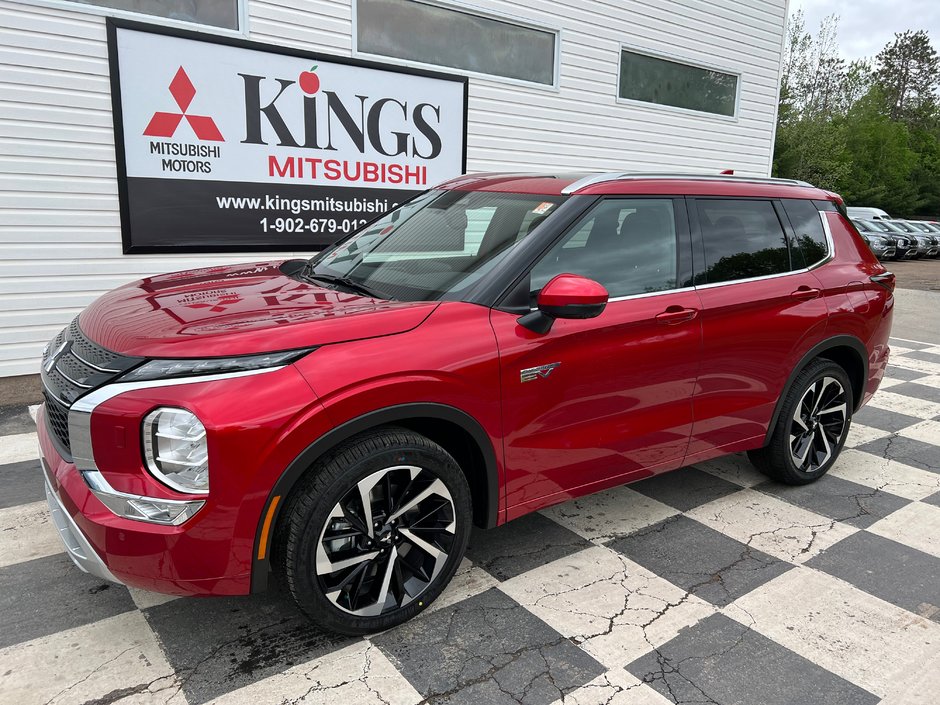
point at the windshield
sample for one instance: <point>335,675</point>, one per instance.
<point>436,245</point>
<point>903,227</point>
<point>919,226</point>
<point>887,227</point>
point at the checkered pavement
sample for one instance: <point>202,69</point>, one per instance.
<point>709,584</point>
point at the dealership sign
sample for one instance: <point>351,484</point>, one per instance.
<point>228,145</point>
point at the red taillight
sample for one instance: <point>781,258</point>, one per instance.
<point>885,280</point>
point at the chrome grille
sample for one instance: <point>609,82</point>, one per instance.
<point>72,366</point>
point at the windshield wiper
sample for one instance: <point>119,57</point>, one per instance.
<point>348,283</point>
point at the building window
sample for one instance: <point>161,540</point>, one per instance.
<point>459,39</point>
<point>214,13</point>
<point>664,82</point>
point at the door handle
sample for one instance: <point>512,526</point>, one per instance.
<point>805,293</point>
<point>676,314</point>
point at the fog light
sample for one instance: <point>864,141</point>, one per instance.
<point>150,509</point>
<point>176,451</point>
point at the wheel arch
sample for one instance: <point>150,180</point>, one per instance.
<point>456,431</point>
<point>845,350</point>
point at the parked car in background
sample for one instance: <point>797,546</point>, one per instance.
<point>882,245</point>
<point>904,245</point>
<point>931,232</point>
<point>867,213</point>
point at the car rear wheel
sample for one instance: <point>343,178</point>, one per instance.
<point>375,532</point>
<point>812,427</point>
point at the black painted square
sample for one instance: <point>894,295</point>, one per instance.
<point>909,451</point>
<point>685,489</point>
<point>521,545</point>
<point>696,558</point>
<point>883,419</point>
<point>49,595</point>
<point>485,650</point>
<point>719,660</point>
<point>22,483</point>
<point>220,644</point>
<point>918,391</point>
<point>838,499</point>
<point>887,569</point>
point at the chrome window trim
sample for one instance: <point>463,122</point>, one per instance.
<point>649,294</point>
<point>83,455</point>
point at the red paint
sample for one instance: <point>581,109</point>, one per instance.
<point>653,383</point>
<point>571,289</point>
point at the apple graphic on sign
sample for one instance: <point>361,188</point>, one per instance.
<point>309,81</point>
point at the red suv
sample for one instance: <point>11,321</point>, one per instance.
<point>494,346</point>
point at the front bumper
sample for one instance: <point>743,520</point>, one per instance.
<point>161,558</point>
<point>77,546</point>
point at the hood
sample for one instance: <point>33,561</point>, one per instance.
<point>238,310</point>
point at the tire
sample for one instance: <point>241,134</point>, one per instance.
<point>807,428</point>
<point>407,553</point>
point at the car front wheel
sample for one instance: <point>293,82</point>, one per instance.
<point>375,532</point>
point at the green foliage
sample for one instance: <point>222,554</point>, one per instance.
<point>869,130</point>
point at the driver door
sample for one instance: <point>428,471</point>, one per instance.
<point>594,403</point>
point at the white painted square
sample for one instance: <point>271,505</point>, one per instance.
<point>27,532</point>
<point>613,608</point>
<point>607,515</point>
<point>616,687</point>
<point>89,662</point>
<point>910,363</point>
<point>860,435</point>
<point>888,475</point>
<point>19,447</point>
<point>925,431</point>
<point>904,404</point>
<point>359,674</point>
<point>867,641</point>
<point>469,580</point>
<point>771,525</point>
<point>916,525</point>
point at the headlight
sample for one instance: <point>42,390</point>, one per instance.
<point>176,451</point>
<point>161,369</point>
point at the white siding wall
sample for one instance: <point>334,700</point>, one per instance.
<point>60,241</point>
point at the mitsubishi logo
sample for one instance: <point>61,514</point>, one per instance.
<point>165,124</point>
<point>54,357</point>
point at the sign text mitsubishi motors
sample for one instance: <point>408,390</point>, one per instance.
<point>227,145</point>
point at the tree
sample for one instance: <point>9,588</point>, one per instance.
<point>908,70</point>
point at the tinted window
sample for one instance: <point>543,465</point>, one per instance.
<point>663,82</point>
<point>444,36</point>
<point>808,229</point>
<point>628,245</point>
<point>742,239</point>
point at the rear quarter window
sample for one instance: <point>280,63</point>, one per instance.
<point>808,230</point>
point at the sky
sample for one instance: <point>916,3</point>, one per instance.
<point>865,26</point>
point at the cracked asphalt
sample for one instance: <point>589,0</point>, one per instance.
<point>706,585</point>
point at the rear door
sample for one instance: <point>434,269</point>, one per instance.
<point>762,309</point>
<point>597,402</point>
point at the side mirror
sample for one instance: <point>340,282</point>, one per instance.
<point>565,296</point>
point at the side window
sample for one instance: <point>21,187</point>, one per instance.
<point>808,228</point>
<point>742,239</point>
<point>628,245</point>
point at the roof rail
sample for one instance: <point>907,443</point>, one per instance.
<point>592,179</point>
